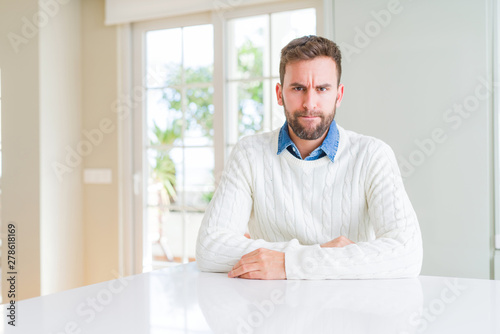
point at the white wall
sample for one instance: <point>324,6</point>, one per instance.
<point>100,201</point>
<point>60,129</point>
<point>41,115</point>
<point>400,85</point>
<point>57,82</point>
<point>20,146</point>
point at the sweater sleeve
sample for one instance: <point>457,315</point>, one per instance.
<point>396,250</point>
<point>221,242</point>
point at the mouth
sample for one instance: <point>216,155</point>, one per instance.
<point>309,117</point>
<point>310,114</point>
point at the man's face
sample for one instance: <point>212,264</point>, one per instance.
<point>310,96</point>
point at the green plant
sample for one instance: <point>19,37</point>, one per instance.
<point>199,109</point>
<point>207,197</point>
<point>250,94</point>
<point>164,167</point>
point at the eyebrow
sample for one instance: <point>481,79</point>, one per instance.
<point>325,85</point>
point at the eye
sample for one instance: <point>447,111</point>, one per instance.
<point>298,89</point>
<point>322,89</point>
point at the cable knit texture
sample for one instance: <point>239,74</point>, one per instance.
<point>293,206</point>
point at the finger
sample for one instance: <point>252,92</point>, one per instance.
<point>347,242</point>
<point>245,260</point>
<point>255,252</point>
<point>243,269</point>
<point>252,275</point>
<point>249,257</point>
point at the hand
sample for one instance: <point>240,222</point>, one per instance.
<point>262,263</point>
<point>338,242</point>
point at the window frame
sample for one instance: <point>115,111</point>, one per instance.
<point>231,132</point>
<point>140,142</point>
<point>131,109</point>
<point>495,69</point>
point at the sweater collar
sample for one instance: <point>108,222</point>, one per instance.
<point>328,147</point>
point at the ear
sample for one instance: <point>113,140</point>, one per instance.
<point>279,94</point>
<point>340,94</point>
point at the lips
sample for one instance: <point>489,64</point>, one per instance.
<point>309,117</point>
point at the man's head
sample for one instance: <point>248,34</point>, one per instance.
<point>310,90</point>
<point>307,48</point>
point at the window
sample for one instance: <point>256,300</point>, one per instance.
<point>178,148</point>
<point>254,47</point>
<point>180,131</point>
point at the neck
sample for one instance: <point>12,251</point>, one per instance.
<point>304,146</point>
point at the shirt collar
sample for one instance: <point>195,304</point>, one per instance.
<point>328,147</point>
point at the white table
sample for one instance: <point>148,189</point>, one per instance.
<point>183,300</point>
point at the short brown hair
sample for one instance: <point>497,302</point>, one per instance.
<point>307,48</point>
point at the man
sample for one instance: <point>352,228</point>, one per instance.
<point>319,201</point>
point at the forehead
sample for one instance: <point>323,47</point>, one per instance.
<point>319,70</point>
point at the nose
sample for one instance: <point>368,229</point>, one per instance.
<point>309,101</point>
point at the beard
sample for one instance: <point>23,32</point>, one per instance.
<point>310,132</point>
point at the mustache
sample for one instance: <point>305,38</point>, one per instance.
<point>309,113</point>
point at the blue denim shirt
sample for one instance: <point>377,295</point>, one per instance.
<point>328,147</point>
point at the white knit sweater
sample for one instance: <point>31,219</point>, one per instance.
<point>293,206</point>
